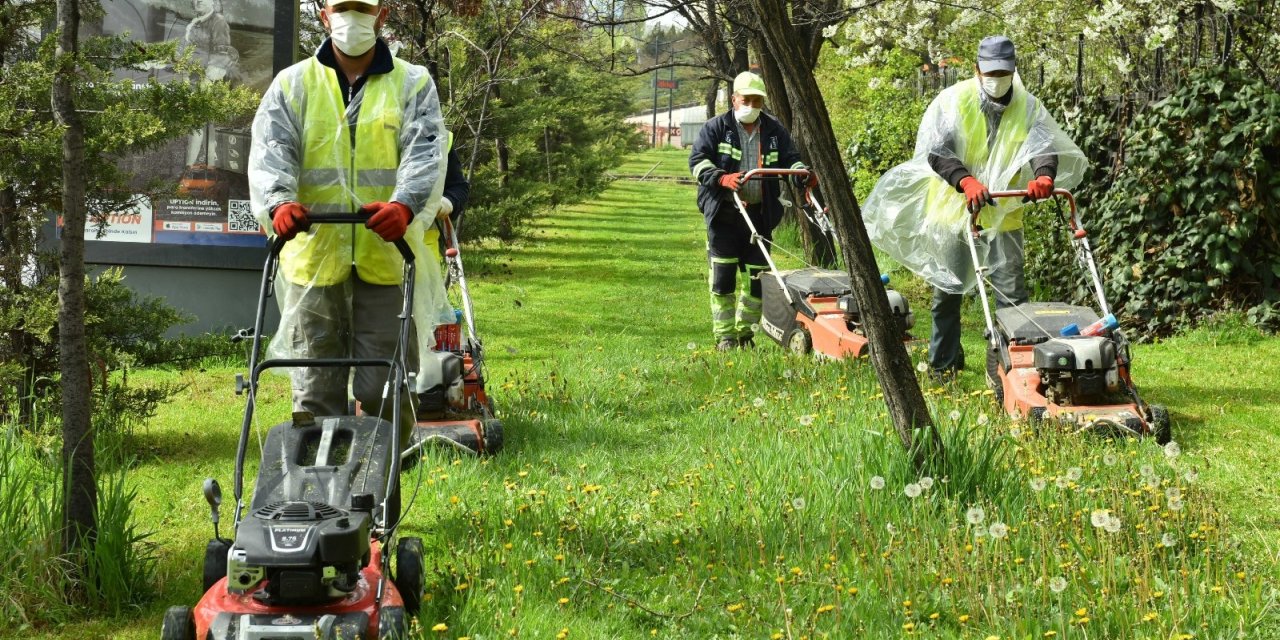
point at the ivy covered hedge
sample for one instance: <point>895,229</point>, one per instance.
<point>1183,205</point>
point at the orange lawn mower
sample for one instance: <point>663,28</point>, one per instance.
<point>812,310</point>
<point>311,558</point>
<point>1057,362</point>
<point>468,421</point>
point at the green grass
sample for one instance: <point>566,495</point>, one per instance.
<point>652,487</point>
<point>662,163</point>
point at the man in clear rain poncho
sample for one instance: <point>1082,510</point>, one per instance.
<point>981,135</point>
<point>352,128</point>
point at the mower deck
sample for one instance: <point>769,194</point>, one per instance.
<point>223,615</point>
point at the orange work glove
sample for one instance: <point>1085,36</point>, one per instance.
<point>288,219</point>
<point>731,181</point>
<point>388,219</point>
<point>976,194</point>
<point>1040,188</point>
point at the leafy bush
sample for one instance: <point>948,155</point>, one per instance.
<point>875,114</point>
<point>1182,205</point>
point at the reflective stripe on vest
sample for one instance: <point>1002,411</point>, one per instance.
<point>947,206</point>
<point>335,178</point>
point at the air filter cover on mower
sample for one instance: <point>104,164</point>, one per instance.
<point>1036,322</point>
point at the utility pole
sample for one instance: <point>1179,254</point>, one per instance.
<point>653,137</point>
<point>671,90</point>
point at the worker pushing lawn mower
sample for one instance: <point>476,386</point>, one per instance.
<point>312,557</point>
<point>950,214</point>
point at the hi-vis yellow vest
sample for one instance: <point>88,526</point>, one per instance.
<point>947,206</point>
<point>336,178</point>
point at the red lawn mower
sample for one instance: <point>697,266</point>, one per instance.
<point>468,421</point>
<point>312,558</point>
<point>812,310</point>
<point>1052,361</point>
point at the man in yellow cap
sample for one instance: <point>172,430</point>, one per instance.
<point>352,128</point>
<point>728,146</point>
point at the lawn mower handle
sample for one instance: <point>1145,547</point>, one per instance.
<point>1074,220</point>
<point>343,218</point>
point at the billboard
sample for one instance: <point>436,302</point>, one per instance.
<point>243,42</point>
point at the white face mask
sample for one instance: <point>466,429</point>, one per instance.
<point>352,31</point>
<point>746,114</point>
<point>997,87</point>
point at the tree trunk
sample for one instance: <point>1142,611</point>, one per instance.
<point>79,515</point>
<point>893,367</point>
<point>713,89</point>
<point>818,249</point>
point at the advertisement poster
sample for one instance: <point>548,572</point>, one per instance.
<point>234,41</point>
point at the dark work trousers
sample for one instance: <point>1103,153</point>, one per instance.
<point>735,305</point>
<point>1007,286</point>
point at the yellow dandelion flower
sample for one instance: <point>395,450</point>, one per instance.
<point>1081,612</point>
<point>559,557</point>
<point>906,603</point>
<point>796,571</point>
<point>779,579</point>
<point>935,615</point>
<point>564,633</point>
<point>1050,633</point>
<point>1149,617</point>
<point>519,588</point>
<point>734,608</point>
<point>461,586</point>
<point>1084,620</point>
<point>563,601</point>
<point>440,627</point>
<point>909,626</point>
<point>853,591</point>
<point>964,618</point>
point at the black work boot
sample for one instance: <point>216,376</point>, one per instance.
<point>727,344</point>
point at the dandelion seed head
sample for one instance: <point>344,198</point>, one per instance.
<point>888,526</point>
<point>797,503</point>
<point>877,483</point>
<point>806,420</point>
<point>1191,476</point>
<point>692,345</point>
<point>1015,432</point>
<point>998,530</point>
<point>758,402</point>
<point>954,415</point>
<point>922,367</point>
<point>1172,450</point>
<point>1110,459</point>
<point>1113,525</point>
<point>1038,484</point>
<point>975,515</point>
<point>926,483</point>
<point>1099,517</point>
<point>1058,584</point>
<point>1175,505</point>
<point>1147,471</point>
<point>983,419</point>
<point>1061,482</point>
<point>1075,473</point>
<point>1168,540</point>
<point>1173,493</point>
<point>755,327</point>
<point>786,373</point>
<point>912,490</point>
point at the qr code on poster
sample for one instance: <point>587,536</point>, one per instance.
<point>240,218</point>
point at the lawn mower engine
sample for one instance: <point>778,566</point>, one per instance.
<point>1079,370</point>
<point>308,552</point>
<point>898,306</point>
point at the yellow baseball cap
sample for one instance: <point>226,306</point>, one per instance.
<point>749,84</point>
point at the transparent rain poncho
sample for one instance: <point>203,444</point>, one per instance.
<point>919,220</point>
<point>310,260</point>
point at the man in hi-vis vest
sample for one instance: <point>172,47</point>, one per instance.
<point>980,135</point>
<point>352,128</point>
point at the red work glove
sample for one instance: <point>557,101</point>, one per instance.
<point>289,219</point>
<point>388,219</point>
<point>976,194</point>
<point>1040,188</point>
<point>731,181</point>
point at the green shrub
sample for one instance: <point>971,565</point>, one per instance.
<point>1185,220</point>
